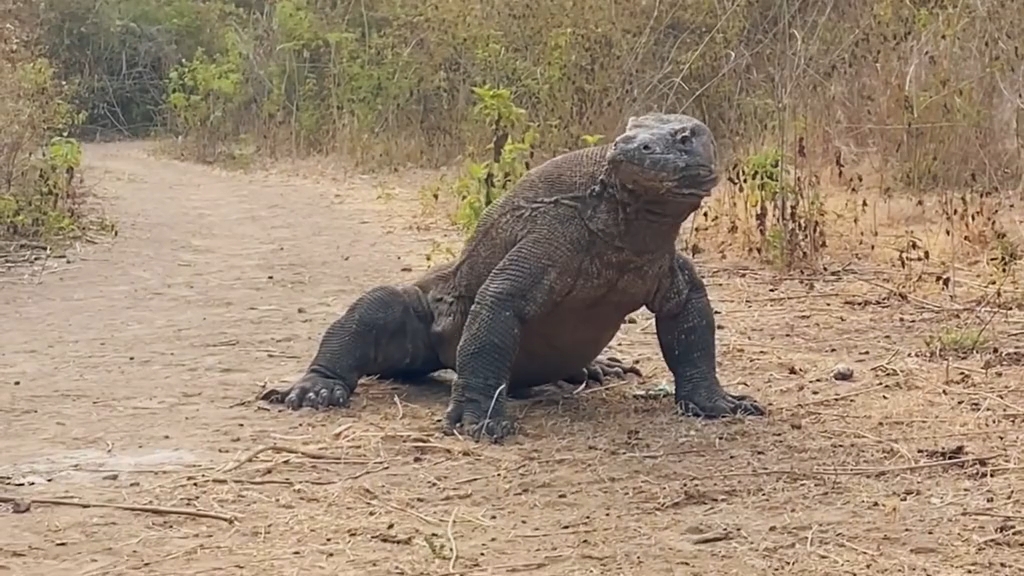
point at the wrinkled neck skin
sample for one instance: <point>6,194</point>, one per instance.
<point>649,221</point>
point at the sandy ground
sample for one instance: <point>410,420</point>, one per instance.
<point>128,373</point>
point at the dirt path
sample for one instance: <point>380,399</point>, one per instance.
<point>209,270</point>
<point>127,376</point>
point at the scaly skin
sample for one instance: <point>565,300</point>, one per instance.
<point>544,284</point>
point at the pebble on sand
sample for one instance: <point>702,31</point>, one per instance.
<point>842,372</point>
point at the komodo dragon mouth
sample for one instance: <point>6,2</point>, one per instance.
<point>700,179</point>
<point>687,181</point>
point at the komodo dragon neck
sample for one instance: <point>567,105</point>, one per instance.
<point>645,222</point>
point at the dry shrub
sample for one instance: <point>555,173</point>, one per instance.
<point>919,84</point>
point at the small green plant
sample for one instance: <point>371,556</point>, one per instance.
<point>786,209</point>
<point>590,140</point>
<point>486,181</point>
<point>47,204</point>
<point>958,343</point>
<point>439,253</point>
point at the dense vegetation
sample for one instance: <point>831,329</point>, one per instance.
<point>803,95</point>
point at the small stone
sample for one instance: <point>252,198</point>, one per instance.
<point>842,372</point>
<point>21,506</point>
<point>111,476</point>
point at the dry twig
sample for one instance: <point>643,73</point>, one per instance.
<point>848,471</point>
<point>1001,535</point>
<point>129,507</point>
<point>712,538</point>
<point>836,397</point>
<point>289,450</point>
<point>451,541</point>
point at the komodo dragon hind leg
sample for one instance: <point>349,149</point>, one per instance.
<point>599,371</point>
<point>386,332</point>
<point>602,369</point>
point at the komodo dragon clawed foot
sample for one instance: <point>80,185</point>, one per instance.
<point>479,419</point>
<point>602,369</point>
<point>725,405</point>
<point>311,391</point>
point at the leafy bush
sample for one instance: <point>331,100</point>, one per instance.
<point>485,182</point>
<point>204,95</point>
<point>38,197</point>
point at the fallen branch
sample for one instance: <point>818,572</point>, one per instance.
<point>289,450</point>
<point>836,397</point>
<point>711,538</point>
<point>1001,535</point>
<point>427,519</point>
<point>288,481</point>
<point>994,515</point>
<point>905,468</point>
<point>451,541</point>
<point>130,507</point>
<point>553,533</point>
<point>845,472</point>
<point>513,567</point>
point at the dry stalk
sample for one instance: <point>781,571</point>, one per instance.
<point>1001,535</point>
<point>833,398</point>
<point>290,450</point>
<point>130,507</point>
<point>849,471</point>
<point>451,541</point>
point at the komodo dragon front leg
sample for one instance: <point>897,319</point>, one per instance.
<point>685,324</point>
<point>385,332</point>
<point>517,290</point>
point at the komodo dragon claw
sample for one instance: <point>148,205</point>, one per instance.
<point>602,369</point>
<point>310,391</point>
<point>478,421</point>
<point>727,405</point>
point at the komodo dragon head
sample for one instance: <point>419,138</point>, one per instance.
<point>672,155</point>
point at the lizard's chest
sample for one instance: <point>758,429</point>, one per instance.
<point>617,279</point>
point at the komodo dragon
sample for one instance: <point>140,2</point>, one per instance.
<point>543,285</point>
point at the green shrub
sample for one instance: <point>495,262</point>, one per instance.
<point>38,195</point>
